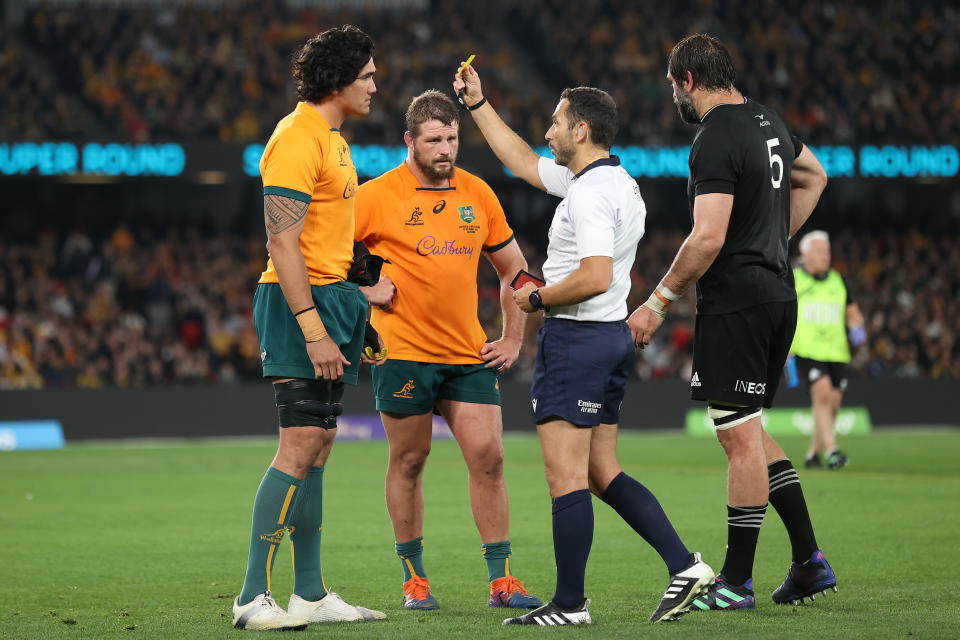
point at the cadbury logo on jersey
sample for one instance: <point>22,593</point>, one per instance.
<point>437,208</point>
<point>430,246</point>
<point>350,189</point>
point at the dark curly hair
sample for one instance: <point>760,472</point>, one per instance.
<point>330,61</point>
<point>707,60</point>
<point>598,109</point>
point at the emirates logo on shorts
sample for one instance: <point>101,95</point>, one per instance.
<point>695,380</point>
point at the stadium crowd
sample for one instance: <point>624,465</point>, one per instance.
<point>837,72</point>
<point>127,311</point>
<point>143,309</point>
<point>191,72</point>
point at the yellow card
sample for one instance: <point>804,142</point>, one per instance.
<point>466,64</point>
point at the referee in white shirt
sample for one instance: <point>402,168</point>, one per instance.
<point>585,351</point>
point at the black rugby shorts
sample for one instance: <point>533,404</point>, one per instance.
<point>738,357</point>
<point>813,370</point>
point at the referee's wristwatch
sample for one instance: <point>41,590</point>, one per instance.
<point>536,301</point>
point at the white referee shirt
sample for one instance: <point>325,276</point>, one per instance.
<point>601,214</point>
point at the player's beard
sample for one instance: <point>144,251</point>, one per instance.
<point>431,170</point>
<point>685,106</point>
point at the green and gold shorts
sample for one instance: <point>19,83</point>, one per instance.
<point>283,352</point>
<point>404,386</point>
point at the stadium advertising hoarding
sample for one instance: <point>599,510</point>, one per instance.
<point>216,162</point>
<point>30,435</point>
<point>787,421</point>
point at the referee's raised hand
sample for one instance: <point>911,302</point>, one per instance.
<point>466,84</point>
<point>643,323</point>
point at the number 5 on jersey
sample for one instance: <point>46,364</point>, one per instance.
<point>775,159</point>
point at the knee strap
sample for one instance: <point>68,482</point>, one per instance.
<point>307,403</point>
<point>728,416</point>
<point>336,402</point>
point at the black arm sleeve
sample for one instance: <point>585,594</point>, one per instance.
<point>797,145</point>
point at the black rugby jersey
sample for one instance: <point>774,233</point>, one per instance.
<point>746,150</point>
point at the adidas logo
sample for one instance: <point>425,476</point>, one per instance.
<point>677,585</point>
<point>559,619</point>
<point>550,615</point>
<point>695,380</point>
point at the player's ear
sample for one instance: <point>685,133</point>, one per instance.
<point>408,138</point>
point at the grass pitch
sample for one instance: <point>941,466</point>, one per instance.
<point>127,541</point>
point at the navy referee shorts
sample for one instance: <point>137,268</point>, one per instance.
<point>581,371</point>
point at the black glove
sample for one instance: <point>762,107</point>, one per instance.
<point>365,270</point>
<point>371,344</point>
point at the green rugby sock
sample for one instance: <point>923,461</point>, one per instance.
<point>271,515</point>
<point>411,556</point>
<point>497,555</point>
<point>306,527</point>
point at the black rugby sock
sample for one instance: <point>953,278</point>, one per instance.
<point>743,530</point>
<point>786,496</point>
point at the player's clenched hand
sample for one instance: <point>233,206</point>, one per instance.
<point>501,354</point>
<point>368,356</point>
<point>374,351</point>
<point>381,294</point>
<point>643,323</point>
<point>522,297</point>
<point>469,83</point>
<point>327,360</point>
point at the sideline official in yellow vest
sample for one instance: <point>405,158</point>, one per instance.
<point>826,318</point>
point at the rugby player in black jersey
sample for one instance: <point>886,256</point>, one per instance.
<point>752,185</point>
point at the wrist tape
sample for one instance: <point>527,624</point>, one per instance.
<point>660,299</point>
<point>311,324</point>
